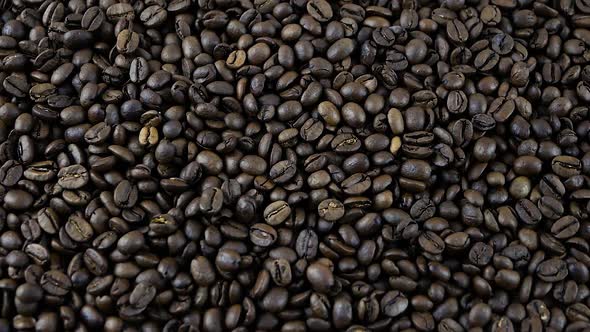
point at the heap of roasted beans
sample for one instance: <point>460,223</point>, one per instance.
<point>291,166</point>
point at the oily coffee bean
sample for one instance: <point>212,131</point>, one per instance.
<point>304,165</point>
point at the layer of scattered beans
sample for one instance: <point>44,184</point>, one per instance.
<point>291,166</point>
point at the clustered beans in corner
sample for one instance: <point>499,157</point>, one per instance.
<point>294,165</point>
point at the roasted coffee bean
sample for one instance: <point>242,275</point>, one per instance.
<point>73,177</point>
<point>211,200</point>
<point>78,229</point>
<point>566,166</point>
<point>565,227</point>
<point>277,212</point>
<point>320,10</point>
<point>394,303</point>
<point>307,244</point>
<point>282,171</point>
<point>331,209</point>
<point>552,270</point>
<point>263,235</point>
<point>528,212</point>
<point>56,283</point>
<point>10,173</point>
<point>431,243</point>
<point>127,41</point>
<point>280,271</point>
<point>481,254</point>
<point>92,19</point>
<point>95,262</point>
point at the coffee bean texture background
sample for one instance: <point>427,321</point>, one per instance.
<point>294,165</point>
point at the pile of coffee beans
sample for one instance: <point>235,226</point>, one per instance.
<point>295,165</point>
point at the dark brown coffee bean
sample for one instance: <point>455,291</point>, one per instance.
<point>282,171</point>
<point>393,303</point>
<point>262,235</point>
<point>92,19</point>
<point>431,243</point>
<point>307,244</point>
<point>565,227</point>
<point>552,270</point>
<point>331,209</point>
<point>277,213</point>
<point>95,262</point>
<point>142,295</point>
<point>127,41</point>
<point>457,32</point>
<point>320,10</point>
<point>280,271</point>
<point>56,283</point>
<point>73,177</point>
<point>566,166</point>
<point>78,229</point>
<point>10,173</point>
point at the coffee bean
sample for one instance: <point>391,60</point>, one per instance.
<point>56,283</point>
<point>566,166</point>
<point>211,200</point>
<point>10,173</point>
<point>457,32</point>
<point>331,209</point>
<point>92,19</point>
<point>18,199</point>
<point>127,41</point>
<point>16,85</point>
<point>95,262</point>
<point>565,227</point>
<point>307,244</point>
<point>393,303</point>
<point>262,235</point>
<point>78,229</point>
<point>282,171</point>
<point>280,271</point>
<point>552,270</point>
<point>202,271</point>
<point>320,10</point>
<point>431,243</point>
<point>277,212</point>
<point>528,212</point>
<point>73,177</point>
<point>41,171</point>
<point>320,277</point>
<point>340,49</point>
